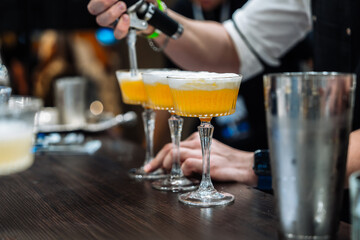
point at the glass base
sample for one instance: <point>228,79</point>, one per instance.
<point>140,174</point>
<point>203,198</point>
<point>175,184</point>
<point>305,237</point>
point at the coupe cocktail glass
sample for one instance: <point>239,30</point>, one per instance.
<point>159,97</point>
<point>133,92</point>
<point>205,95</point>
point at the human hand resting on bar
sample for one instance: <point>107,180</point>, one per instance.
<point>226,163</point>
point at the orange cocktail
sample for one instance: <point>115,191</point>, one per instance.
<point>132,88</point>
<point>205,95</point>
<point>158,90</point>
<point>195,96</point>
<point>159,96</point>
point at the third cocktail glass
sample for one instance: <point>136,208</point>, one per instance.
<point>159,97</point>
<point>205,95</point>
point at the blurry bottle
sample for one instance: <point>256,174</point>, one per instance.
<point>4,75</point>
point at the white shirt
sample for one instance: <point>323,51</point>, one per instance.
<point>271,28</point>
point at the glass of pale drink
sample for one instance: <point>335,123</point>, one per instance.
<point>205,95</point>
<point>17,133</point>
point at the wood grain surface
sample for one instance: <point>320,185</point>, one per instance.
<point>92,197</point>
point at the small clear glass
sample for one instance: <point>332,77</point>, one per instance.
<point>17,121</point>
<point>205,95</point>
<point>159,98</point>
<point>70,100</point>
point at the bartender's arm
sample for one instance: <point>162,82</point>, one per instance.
<point>201,47</point>
<point>260,29</point>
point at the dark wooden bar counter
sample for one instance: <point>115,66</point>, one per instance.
<point>91,197</point>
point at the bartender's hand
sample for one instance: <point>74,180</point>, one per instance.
<point>108,12</point>
<point>226,164</point>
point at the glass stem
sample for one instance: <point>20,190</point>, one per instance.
<point>148,116</point>
<point>175,125</point>
<point>206,132</point>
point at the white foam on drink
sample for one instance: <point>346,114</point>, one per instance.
<point>154,77</point>
<point>204,80</point>
<point>127,76</point>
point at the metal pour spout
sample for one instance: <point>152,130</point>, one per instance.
<point>131,41</point>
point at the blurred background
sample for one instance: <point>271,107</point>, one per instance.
<point>41,41</point>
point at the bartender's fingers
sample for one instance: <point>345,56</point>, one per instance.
<point>192,165</point>
<point>159,158</point>
<point>122,27</point>
<point>164,158</point>
<point>95,7</point>
<point>193,136</point>
<point>193,143</point>
<point>168,160</point>
<point>218,171</point>
<point>108,17</point>
<point>185,153</point>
